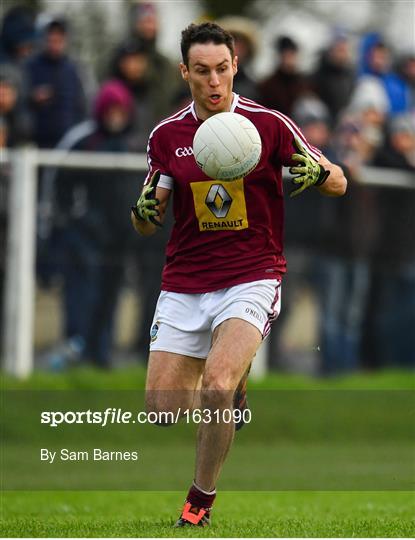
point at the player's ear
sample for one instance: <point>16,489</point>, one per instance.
<point>184,71</point>
<point>235,65</point>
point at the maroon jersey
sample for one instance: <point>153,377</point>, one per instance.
<point>225,233</point>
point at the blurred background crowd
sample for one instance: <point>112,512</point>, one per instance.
<point>349,295</point>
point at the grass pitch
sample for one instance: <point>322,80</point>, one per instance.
<point>236,514</point>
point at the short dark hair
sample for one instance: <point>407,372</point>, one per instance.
<point>205,33</point>
<point>58,24</point>
<point>285,43</point>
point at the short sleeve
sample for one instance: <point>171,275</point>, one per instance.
<point>157,161</point>
<point>288,131</point>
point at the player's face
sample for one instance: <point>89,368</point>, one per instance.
<point>210,76</point>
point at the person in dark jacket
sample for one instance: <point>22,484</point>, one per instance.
<point>334,79</point>
<point>17,35</point>
<point>132,66</point>
<point>287,84</point>
<point>392,314</point>
<point>55,90</point>
<point>144,32</point>
<point>332,260</point>
<point>93,228</point>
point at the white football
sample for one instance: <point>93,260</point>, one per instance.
<point>227,146</point>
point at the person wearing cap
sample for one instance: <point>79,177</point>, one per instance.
<point>286,84</point>
<point>245,35</point>
<point>55,90</point>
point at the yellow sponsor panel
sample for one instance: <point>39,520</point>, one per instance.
<point>220,205</point>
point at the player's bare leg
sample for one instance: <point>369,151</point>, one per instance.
<point>171,381</point>
<point>234,345</point>
<point>240,402</point>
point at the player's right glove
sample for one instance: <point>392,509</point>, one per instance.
<point>145,208</point>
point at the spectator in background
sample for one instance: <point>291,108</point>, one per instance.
<point>334,79</point>
<point>392,320</point>
<point>164,75</point>
<point>15,118</point>
<point>93,230</point>
<point>287,84</point>
<point>368,112</point>
<point>17,38</point>
<point>313,117</point>
<point>375,66</point>
<point>398,151</point>
<point>338,266</point>
<point>132,66</point>
<point>245,35</point>
<point>329,259</point>
<point>406,72</point>
<point>55,89</point>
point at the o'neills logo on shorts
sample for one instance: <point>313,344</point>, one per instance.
<point>220,205</point>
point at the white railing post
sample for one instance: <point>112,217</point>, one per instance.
<point>20,265</point>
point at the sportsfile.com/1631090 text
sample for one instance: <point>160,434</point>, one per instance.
<point>113,415</point>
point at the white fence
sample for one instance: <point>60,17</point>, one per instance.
<point>20,276</point>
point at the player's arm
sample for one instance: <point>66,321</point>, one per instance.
<point>147,215</point>
<point>327,177</point>
<point>335,184</point>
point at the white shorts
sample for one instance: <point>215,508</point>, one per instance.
<point>184,323</point>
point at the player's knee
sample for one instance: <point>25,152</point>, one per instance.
<point>215,392</point>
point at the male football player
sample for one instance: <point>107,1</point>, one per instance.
<point>221,282</point>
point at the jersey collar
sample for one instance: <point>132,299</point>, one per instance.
<point>233,106</point>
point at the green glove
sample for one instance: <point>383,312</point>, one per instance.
<point>145,209</point>
<point>309,172</point>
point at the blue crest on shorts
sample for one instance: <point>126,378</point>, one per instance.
<point>154,330</point>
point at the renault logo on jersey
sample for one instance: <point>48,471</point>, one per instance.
<point>220,206</point>
<point>218,201</point>
<point>184,151</point>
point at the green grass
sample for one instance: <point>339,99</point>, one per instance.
<point>134,378</point>
<point>237,514</point>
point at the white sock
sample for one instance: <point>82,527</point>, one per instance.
<point>203,491</point>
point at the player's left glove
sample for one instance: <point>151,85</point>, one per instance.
<point>309,172</point>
